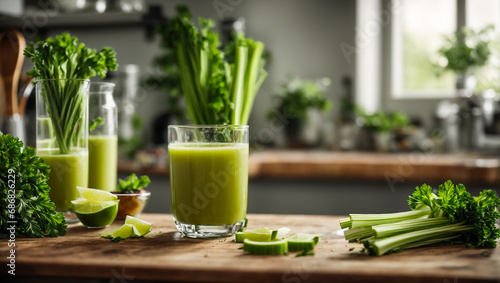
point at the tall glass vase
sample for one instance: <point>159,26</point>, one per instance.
<point>62,138</point>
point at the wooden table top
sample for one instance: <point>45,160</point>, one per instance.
<point>467,168</point>
<point>164,255</point>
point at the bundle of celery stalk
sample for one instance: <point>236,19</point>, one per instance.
<point>219,86</point>
<point>452,215</point>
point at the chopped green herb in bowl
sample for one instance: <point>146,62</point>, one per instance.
<point>132,195</point>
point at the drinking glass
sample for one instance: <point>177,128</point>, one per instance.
<point>103,139</point>
<point>208,179</point>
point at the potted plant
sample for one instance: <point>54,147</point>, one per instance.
<point>380,128</point>
<point>464,51</point>
<point>295,100</point>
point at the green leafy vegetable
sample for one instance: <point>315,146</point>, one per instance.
<point>132,183</point>
<point>453,216</point>
<point>219,87</point>
<point>64,64</point>
<point>23,178</point>
<point>96,123</point>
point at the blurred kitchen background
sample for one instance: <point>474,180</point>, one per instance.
<point>364,100</point>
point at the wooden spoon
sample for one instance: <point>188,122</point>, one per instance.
<point>12,45</point>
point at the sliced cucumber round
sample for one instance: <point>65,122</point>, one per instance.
<point>276,247</point>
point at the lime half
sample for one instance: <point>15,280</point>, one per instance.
<point>143,227</point>
<point>96,208</point>
<point>95,215</point>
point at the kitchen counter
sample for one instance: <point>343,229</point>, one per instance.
<point>164,255</point>
<point>467,168</point>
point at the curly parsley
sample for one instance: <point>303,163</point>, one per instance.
<point>35,214</point>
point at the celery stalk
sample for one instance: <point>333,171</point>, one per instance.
<point>238,84</point>
<point>386,230</point>
<point>368,220</point>
<point>252,74</point>
<point>219,86</point>
<point>358,233</point>
<point>384,245</point>
<point>345,223</point>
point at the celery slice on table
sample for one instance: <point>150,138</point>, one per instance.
<point>280,233</point>
<point>276,247</point>
<point>260,234</point>
<point>300,242</point>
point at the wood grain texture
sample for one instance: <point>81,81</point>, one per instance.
<point>415,167</point>
<point>164,255</point>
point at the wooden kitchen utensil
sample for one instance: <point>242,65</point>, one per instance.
<point>12,44</point>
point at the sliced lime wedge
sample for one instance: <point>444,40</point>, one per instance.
<point>143,227</point>
<point>276,247</point>
<point>123,232</point>
<point>84,206</point>
<point>95,195</point>
<point>260,234</point>
<point>301,242</point>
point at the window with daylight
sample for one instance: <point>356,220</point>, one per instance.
<point>480,13</point>
<point>417,32</point>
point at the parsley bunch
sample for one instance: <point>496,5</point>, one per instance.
<point>63,64</point>
<point>35,214</point>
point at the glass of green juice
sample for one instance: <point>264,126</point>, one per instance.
<point>208,179</point>
<point>103,139</point>
<point>61,138</point>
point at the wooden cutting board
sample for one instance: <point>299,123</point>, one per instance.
<point>164,255</point>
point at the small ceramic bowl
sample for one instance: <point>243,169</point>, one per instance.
<point>132,204</point>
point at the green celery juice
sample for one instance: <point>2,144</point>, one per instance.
<point>67,171</point>
<point>209,182</point>
<point>103,162</point>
